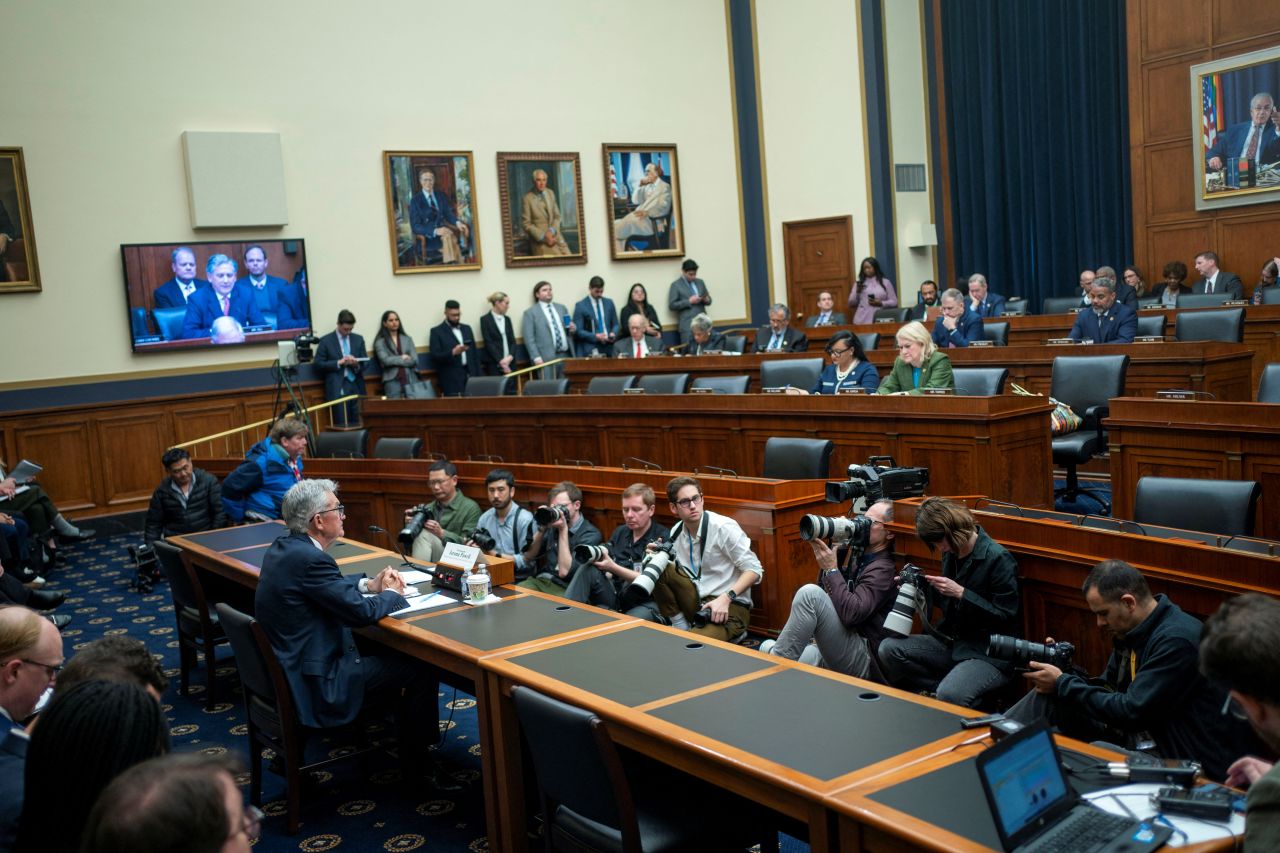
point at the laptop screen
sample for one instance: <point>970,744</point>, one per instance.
<point>1024,782</point>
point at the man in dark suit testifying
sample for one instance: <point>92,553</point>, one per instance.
<point>175,292</point>
<point>1214,280</point>
<point>1106,321</point>
<point>307,609</point>
<point>338,358</point>
<point>453,352</point>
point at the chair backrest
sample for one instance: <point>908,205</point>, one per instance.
<point>138,322</point>
<point>796,372</point>
<point>897,315</point>
<point>1226,324</point>
<point>1203,300</point>
<point>1269,384</point>
<point>980,381</point>
<point>610,384</point>
<point>664,383</point>
<point>997,332</point>
<point>735,343</point>
<point>545,388</point>
<point>397,448</point>
<point>1151,325</point>
<point>487,386</point>
<point>1016,305</point>
<point>260,673</point>
<point>723,384</point>
<point>1060,304</point>
<point>1083,381</point>
<point>1224,507</point>
<point>184,586</point>
<point>169,321</point>
<point>342,444</point>
<point>1271,295</point>
<point>870,340</point>
<point>798,458</point>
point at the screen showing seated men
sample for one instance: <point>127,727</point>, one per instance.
<point>192,295</point>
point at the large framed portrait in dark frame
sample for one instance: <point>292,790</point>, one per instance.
<point>541,199</point>
<point>642,200</point>
<point>431,211</point>
<point>19,269</point>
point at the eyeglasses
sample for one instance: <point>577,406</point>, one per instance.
<point>833,351</point>
<point>686,503</point>
<point>252,826</point>
<point>52,669</point>
<point>339,509</point>
<point>1232,707</point>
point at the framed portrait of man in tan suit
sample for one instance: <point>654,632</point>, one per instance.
<point>541,200</point>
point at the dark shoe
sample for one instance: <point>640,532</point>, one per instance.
<point>30,577</point>
<point>44,600</point>
<point>81,534</point>
<point>59,620</point>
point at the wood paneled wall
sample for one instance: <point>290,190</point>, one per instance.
<point>1167,37</point>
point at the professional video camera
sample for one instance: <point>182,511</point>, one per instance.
<point>1022,652</point>
<point>483,540</point>
<point>421,514</point>
<point>590,553</point>
<point>876,482</point>
<point>545,515</point>
<point>306,344</point>
<point>839,531</point>
<point>910,597</point>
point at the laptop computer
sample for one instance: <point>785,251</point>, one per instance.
<point>1036,811</point>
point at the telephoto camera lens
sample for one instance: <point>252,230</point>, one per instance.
<point>1022,652</point>
<point>421,514</point>
<point>901,617</point>
<point>483,540</point>
<point>839,530</point>
<point>545,515</point>
<point>590,553</point>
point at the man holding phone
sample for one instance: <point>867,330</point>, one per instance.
<point>452,351</point>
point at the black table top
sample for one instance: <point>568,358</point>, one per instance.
<point>511,622</point>
<point>230,538</point>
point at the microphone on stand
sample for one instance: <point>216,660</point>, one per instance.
<point>404,561</point>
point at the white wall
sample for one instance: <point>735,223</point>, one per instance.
<point>99,94</point>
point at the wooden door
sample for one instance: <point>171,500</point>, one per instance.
<point>819,256</point>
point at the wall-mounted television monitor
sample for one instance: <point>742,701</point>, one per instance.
<point>194,295</point>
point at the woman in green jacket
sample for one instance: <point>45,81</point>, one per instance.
<point>919,364</point>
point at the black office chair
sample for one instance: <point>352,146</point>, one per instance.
<point>1269,384</point>
<point>997,332</point>
<point>1086,384</point>
<point>1060,304</point>
<point>797,458</point>
<point>664,383</point>
<point>1151,325</point>
<point>1016,305</point>
<point>610,384</point>
<point>342,444</point>
<point>1226,324</point>
<point>397,448</point>
<point>735,343</point>
<point>796,372</point>
<point>1203,300</point>
<point>138,322</point>
<point>870,340</point>
<point>895,315</point>
<point>723,384</point>
<point>1224,507</point>
<point>198,629</point>
<point>169,322</point>
<point>546,388</point>
<point>488,386</point>
<point>980,381</point>
<point>589,802</point>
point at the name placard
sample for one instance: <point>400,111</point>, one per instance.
<point>1174,394</point>
<point>938,392</point>
<point>632,390</point>
<point>461,557</point>
<point>1064,342</point>
<point>1149,339</point>
<point>982,343</point>
<point>852,389</point>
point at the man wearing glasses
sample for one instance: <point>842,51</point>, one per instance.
<point>453,515</point>
<point>30,660</point>
<point>707,588</point>
<point>308,608</point>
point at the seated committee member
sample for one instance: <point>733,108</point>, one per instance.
<point>273,294</point>
<point>338,358</point>
<point>548,330</point>
<point>1266,279</point>
<point>396,355</point>
<point>1151,695</point>
<point>638,303</point>
<point>871,292</point>
<point>687,297</point>
<point>1214,280</point>
<point>982,301</point>
<point>652,200</point>
<point>510,525</point>
<point>1254,139</point>
<point>1125,294</point>
<point>1106,321</point>
<point>1132,276</point>
<point>978,595</point>
<point>499,336</point>
<point>255,488</point>
<point>1086,282</point>
<point>927,307</point>
<point>1173,286</point>
<point>540,220</point>
<point>704,338</point>
<point>919,364</point>
<point>596,319</point>
<point>222,298</point>
<point>957,326</point>
<point>553,544</point>
<point>439,235</point>
<point>849,367</point>
<point>778,336</point>
<point>838,622</point>
<point>186,501</point>
<point>604,582</point>
<point>453,515</point>
<point>825,316</point>
<point>308,608</point>
<point>636,344</point>
<point>1238,650</point>
<point>453,347</point>
<point>707,587</point>
<point>177,291</point>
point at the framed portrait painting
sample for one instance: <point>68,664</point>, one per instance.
<point>431,211</point>
<point>642,200</point>
<point>1236,128</point>
<point>541,199</point>
<point>19,270</point>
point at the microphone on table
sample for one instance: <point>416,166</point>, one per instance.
<point>404,561</point>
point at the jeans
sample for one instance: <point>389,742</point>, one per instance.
<point>813,616</point>
<point>923,662</point>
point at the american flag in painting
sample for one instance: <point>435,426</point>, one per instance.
<point>1211,112</point>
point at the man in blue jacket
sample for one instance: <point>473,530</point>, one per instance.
<point>596,319</point>
<point>982,301</point>
<point>1106,321</point>
<point>956,326</point>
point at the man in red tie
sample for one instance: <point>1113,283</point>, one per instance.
<point>224,298</point>
<point>635,345</point>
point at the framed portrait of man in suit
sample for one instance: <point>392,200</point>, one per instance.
<point>642,201</point>
<point>19,271</point>
<point>431,211</point>
<point>541,200</point>
<point>1235,118</point>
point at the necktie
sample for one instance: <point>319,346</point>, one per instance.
<point>346,350</point>
<point>555,327</point>
<point>776,343</point>
<point>226,306</point>
<point>693,288</point>
<point>431,200</point>
<point>638,353</point>
<point>823,318</point>
<point>1209,289</point>
<point>1251,150</point>
<point>293,468</point>
<point>600,329</point>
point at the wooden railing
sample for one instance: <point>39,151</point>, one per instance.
<point>233,441</point>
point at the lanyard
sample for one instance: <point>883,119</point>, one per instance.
<point>696,559</point>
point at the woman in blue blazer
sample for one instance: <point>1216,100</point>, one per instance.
<point>849,367</point>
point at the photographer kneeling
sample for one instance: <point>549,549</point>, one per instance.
<point>978,595</point>
<point>562,528</point>
<point>844,612</point>
<point>1152,695</point>
<point>451,517</point>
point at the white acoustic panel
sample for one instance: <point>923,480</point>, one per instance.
<point>235,179</point>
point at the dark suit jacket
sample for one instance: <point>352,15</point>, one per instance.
<point>13,763</point>
<point>1231,143</point>
<point>492,352</point>
<point>169,294</point>
<point>449,368</point>
<point>714,343</point>
<point>919,310</point>
<point>992,306</point>
<point>328,351</point>
<point>792,340</point>
<point>1117,326</point>
<point>204,308</point>
<point>837,319</point>
<point>626,348</point>
<point>1228,282</point>
<point>308,609</point>
<point>280,298</point>
<point>585,318</point>
<point>424,219</point>
<point>968,329</point>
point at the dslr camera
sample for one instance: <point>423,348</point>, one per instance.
<point>655,563</point>
<point>421,514</point>
<point>1022,652</point>
<point>590,553</point>
<point>545,515</point>
<point>483,540</point>
<point>875,482</point>
<point>838,531</point>
<point>910,597</point>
